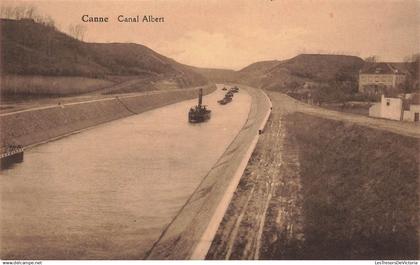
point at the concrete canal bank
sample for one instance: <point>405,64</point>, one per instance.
<point>38,125</point>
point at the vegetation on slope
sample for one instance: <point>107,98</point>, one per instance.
<point>304,67</point>
<point>322,77</point>
<point>30,48</point>
<point>15,86</point>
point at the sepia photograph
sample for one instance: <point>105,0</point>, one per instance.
<point>177,130</point>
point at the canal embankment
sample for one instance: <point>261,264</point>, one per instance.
<point>318,187</point>
<point>38,125</point>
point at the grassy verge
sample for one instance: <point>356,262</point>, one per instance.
<point>360,110</point>
<point>359,191</point>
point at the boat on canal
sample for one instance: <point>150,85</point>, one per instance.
<point>234,89</point>
<point>225,100</point>
<point>229,94</point>
<point>199,113</point>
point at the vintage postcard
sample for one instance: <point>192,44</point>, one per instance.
<point>210,130</point>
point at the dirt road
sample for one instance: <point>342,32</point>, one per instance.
<point>270,170</point>
<point>283,103</point>
<point>10,107</point>
<point>266,217</point>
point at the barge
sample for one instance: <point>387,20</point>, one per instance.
<point>199,113</point>
<point>11,154</point>
<point>225,100</point>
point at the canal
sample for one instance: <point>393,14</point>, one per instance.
<point>108,192</point>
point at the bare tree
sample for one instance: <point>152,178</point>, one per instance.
<point>412,58</point>
<point>72,30</point>
<point>372,59</point>
<point>48,21</point>
<point>30,12</point>
<point>38,18</point>
<point>19,11</point>
<point>77,31</point>
<point>7,12</point>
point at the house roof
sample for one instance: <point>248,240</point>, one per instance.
<point>384,68</point>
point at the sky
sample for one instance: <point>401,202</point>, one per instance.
<point>233,34</point>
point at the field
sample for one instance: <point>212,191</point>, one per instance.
<point>360,109</point>
<point>359,191</point>
<point>18,86</point>
<point>323,189</point>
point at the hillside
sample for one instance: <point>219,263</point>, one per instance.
<point>30,48</point>
<point>300,69</point>
<point>253,73</point>
<point>217,75</point>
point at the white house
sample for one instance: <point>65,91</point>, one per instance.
<point>413,114</point>
<point>401,108</point>
<point>389,108</point>
<point>412,110</point>
<point>375,78</point>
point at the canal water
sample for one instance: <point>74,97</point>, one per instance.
<point>108,192</point>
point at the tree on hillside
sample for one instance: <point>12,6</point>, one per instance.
<point>30,12</point>
<point>412,58</point>
<point>5,11</point>
<point>333,91</point>
<point>372,59</point>
<point>25,11</point>
<point>18,12</point>
<point>411,83</point>
<point>77,31</point>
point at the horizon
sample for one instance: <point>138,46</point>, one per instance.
<point>233,35</point>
